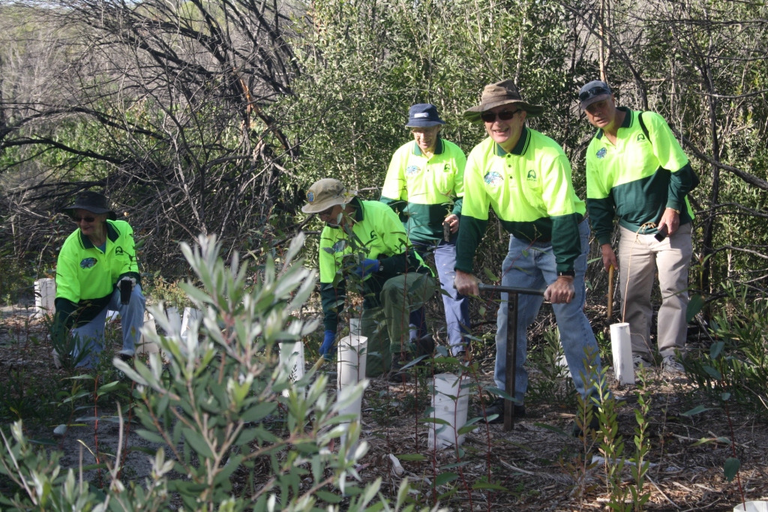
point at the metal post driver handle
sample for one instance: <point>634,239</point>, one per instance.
<point>511,355</point>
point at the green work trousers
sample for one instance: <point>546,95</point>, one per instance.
<point>399,296</point>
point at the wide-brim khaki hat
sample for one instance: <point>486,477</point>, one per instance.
<point>324,194</point>
<point>498,94</point>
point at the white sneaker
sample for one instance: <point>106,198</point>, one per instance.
<point>671,366</point>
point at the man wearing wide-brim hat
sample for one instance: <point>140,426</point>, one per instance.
<point>526,178</point>
<point>96,263</point>
<point>425,183</point>
<point>364,245</point>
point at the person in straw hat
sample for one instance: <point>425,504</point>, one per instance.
<point>425,183</point>
<point>94,262</point>
<point>637,171</point>
<point>366,238</point>
<point>526,178</point>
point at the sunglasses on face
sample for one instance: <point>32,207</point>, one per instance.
<point>591,93</point>
<point>504,115</point>
<point>78,220</point>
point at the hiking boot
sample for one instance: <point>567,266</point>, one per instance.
<point>126,355</point>
<point>396,373</point>
<point>641,362</point>
<point>497,407</point>
<point>671,367</point>
<point>424,346</point>
<point>594,425</point>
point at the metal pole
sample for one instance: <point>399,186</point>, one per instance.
<point>511,355</point>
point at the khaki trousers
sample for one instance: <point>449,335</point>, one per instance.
<point>641,257</point>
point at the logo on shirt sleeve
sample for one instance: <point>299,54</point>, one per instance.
<point>601,153</point>
<point>493,178</point>
<point>87,262</point>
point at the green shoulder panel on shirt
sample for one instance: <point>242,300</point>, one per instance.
<point>636,179</point>
<point>431,188</point>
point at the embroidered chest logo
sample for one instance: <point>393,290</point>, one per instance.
<point>412,170</point>
<point>87,262</point>
<point>373,235</point>
<point>640,137</point>
<point>601,153</point>
<point>493,178</point>
<point>119,250</point>
<point>531,175</point>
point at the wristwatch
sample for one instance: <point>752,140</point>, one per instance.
<point>567,273</point>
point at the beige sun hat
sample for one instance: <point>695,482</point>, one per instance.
<point>324,194</point>
<point>498,94</point>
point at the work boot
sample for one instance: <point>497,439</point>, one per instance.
<point>497,407</point>
<point>424,346</point>
<point>396,374</point>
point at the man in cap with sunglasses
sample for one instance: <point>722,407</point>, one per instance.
<point>367,239</point>
<point>425,184</point>
<point>637,171</point>
<point>96,265</point>
<point>526,178</point>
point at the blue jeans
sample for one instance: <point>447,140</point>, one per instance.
<point>456,305</point>
<point>91,335</point>
<point>533,266</point>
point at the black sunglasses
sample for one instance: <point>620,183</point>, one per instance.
<point>591,93</point>
<point>504,115</point>
<point>86,219</point>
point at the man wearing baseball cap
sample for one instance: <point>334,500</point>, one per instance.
<point>526,178</point>
<point>425,184</point>
<point>94,262</point>
<point>637,171</point>
<point>367,239</point>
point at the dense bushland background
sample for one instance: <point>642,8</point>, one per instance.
<point>214,116</point>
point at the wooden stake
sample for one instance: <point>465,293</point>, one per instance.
<point>610,293</point>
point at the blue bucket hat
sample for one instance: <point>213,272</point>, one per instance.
<point>423,115</point>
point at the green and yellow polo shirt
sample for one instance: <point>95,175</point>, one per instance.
<point>377,233</point>
<point>425,190</point>
<point>86,276</point>
<point>531,192</point>
<point>637,179</point>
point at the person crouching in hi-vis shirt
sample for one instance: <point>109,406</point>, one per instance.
<point>97,264</point>
<point>425,183</point>
<point>637,171</point>
<point>366,238</point>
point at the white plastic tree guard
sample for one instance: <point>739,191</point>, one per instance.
<point>292,356</point>
<point>621,347</point>
<point>450,401</point>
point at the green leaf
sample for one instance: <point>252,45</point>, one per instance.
<point>444,478</point>
<point>150,436</point>
<point>696,410</point>
<point>695,303</point>
<point>731,467</point>
<point>197,442</point>
<point>258,412</point>
<point>412,457</point>
<point>486,485</point>
<point>328,497</point>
